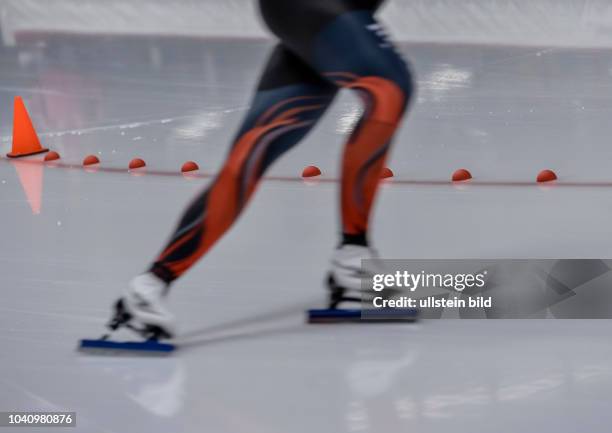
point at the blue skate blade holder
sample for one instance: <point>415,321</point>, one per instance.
<point>374,315</point>
<point>136,347</point>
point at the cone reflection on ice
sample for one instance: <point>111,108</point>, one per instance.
<point>25,140</point>
<point>30,176</point>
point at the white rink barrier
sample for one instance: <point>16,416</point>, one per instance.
<point>581,23</point>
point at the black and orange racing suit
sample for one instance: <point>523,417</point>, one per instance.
<point>324,45</point>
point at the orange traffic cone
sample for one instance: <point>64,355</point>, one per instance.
<point>25,140</point>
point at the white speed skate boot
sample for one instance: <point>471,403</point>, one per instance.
<point>346,274</point>
<point>142,309</point>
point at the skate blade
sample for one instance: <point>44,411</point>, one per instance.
<point>109,347</point>
<point>339,315</point>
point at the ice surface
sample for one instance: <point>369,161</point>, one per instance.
<point>249,363</point>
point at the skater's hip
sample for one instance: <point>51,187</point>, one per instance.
<point>298,21</point>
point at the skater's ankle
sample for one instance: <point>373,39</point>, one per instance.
<point>360,239</point>
<point>148,281</point>
<point>162,273</point>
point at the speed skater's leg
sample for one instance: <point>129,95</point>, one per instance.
<point>382,80</point>
<point>290,98</point>
<point>344,43</point>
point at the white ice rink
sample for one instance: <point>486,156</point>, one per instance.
<point>248,363</point>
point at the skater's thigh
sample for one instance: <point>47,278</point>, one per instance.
<point>290,98</point>
<point>287,68</point>
<point>356,44</point>
<point>343,42</point>
<point>288,83</point>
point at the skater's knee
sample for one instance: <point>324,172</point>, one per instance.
<point>387,94</point>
